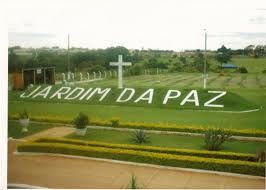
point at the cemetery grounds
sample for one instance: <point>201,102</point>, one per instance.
<point>161,146</point>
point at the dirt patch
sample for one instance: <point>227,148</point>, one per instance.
<point>52,132</point>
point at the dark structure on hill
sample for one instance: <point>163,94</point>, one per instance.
<point>33,75</point>
<point>228,66</point>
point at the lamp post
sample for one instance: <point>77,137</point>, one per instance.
<point>205,62</point>
<point>68,65</point>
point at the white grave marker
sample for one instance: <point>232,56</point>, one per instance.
<point>88,75</point>
<point>119,64</point>
<point>80,76</point>
<point>104,74</point>
<point>94,75</point>
<point>73,76</point>
<point>68,76</point>
<point>64,76</point>
<point>100,74</point>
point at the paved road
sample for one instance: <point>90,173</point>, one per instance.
<point>61,172</point>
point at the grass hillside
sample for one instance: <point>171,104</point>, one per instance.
<point>230,101</point>
<point>253,65</point>
<point>243,89</point>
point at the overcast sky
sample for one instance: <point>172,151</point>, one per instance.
<point>156,24</point>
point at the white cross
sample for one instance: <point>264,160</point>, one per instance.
<point>119,64</point>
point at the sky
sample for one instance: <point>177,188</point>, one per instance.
<point>150,24</point>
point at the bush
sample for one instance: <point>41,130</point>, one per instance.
<point>188,152</point>
<point>261,155</point>
<point>149,126</point>
<point>242,70</point>
<point>81,121</point>
<point>24,115</point>
<point>234,166</point>
<point>264,71</point>
<point>114,121</point>
<point>214,138</point>
<point>133,183</point>
<point>139,136</point>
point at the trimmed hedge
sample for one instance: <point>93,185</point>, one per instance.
<point>150,126</point>
<point>200,153</point>
<point>234,166</point>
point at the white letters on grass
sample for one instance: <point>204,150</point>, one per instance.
<point>149,98</point>
<point>62,91</point>
<point>126,95</point>
<point>119,99</point>
<point>195,98</point>
<point>44,93</point>
<point>29,95</point>
<point>85,94</point>
<point>80,91</point>
<point>168,95</point>
<point>220,94</point>
<point>99,91</point>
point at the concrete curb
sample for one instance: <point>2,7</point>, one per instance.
<point>23,186</point>
<point>141,164</point>
<point>241,138</point>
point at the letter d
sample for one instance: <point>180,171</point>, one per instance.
<point>119,99</point>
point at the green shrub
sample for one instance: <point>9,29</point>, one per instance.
<point>150,126</point>
<point>81,121</point>
<point>214,138</point>
<point>24,115</point>
<point>264,71</point>
<point>242,70</point>
<point>139,136</point>
<point>188,152</point>
<point>133,183</point>
<point>235,166</point>
<point>114,121</point>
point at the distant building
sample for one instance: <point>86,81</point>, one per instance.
<point>33,75</point>
<point>228,66</point>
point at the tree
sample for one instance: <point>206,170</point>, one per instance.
<point>249,49</point>
<point>111,54</point>
<point>223,55</point>
<point>183,60</point>
<point>198,61</point>
<point>259,51</point>
<point>12,60</point>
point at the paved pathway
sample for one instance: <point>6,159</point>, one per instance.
<point>62,172</point>
<point>52,132</point>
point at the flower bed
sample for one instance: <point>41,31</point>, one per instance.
<point>234,166</point>
<point>150,126</point>
<point>188,152</point>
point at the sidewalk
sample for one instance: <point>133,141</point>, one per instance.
<point>62,172</point>
<point>52,132</point>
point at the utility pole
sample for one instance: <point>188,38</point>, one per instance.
<point>205,62</point>
<point>68,64</point>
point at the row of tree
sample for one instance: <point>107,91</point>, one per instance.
<point>98,60</point>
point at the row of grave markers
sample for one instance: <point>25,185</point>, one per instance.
<point>71,76</point>
<point>119,65</point>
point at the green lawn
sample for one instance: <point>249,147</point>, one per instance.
<point>253,65</point>
<point>245,89</point>
<point>174,141</point>
<point>188,80</point>
<point>230,101</point>
<point>252,120</point>
<point>14,129</point>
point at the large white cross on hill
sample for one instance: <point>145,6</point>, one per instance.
<point>120,63</point>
